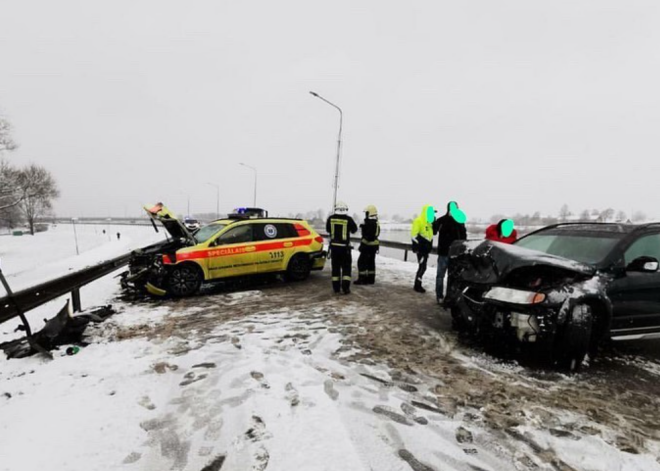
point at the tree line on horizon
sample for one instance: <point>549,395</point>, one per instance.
<point>26,193</point>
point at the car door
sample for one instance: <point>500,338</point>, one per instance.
<point>273,241</point>
<point>232,253</point>
<point>636,295</point>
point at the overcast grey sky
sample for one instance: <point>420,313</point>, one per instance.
<point>506,106</point>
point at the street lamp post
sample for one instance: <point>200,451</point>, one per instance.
<point>341,118</point>
<point>254,204</point>
<point>217,200</point>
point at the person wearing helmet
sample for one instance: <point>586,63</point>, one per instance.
<point>368,247</point>
<point>422,242</point>
<point>450,227</point>
<point>340,226</point>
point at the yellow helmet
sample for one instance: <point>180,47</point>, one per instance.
<point>371,211</point>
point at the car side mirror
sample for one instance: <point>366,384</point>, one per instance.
<point>644,264</point>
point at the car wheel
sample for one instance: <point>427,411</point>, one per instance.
<point>184,280</point>
<point>573,343</point>
<point>458,321</point>
<point>298,268</point>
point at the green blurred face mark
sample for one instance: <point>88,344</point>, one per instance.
<point>458,214</point>
<point>430,214</point>
<point>507,227</point>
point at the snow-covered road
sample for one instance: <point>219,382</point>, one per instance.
<point>280,376</point>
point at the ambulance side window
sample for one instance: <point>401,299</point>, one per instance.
<point>273,231</point>
<point>235,235</point>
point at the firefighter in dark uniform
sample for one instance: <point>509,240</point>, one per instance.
<point>340,226</point>
<point>369,246</point>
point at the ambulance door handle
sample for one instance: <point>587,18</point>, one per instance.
<point>288,244</point>
<point>251,248</point>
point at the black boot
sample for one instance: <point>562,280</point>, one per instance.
<point>371,279</point>
<point>362,280</point>
<point>418,286</point>
<point>336,286</point>
<point>346,287</point>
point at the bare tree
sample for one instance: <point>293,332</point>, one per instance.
<point>10,194</point>
<point>38,190</point>
<point>564,213</point>
<point>584,216</point>
<point>638,216</point>
<point>621,216</point>
<point>607,215</point>
<point>6,142</point>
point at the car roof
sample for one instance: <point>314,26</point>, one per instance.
<point>596,227</point>
<point>269,219</point>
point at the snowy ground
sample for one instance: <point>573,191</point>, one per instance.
<point>283,376</point>
<point>29,260</point>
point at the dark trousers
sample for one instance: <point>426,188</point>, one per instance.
<point>422,259</point>
<point>341,268</point>
<point>367,263</point>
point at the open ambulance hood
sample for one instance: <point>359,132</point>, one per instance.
<point>172,225</point>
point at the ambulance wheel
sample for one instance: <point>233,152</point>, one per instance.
<point>299,268</point>
<point>184,280</point>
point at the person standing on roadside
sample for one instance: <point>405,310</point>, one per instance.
<point>503,231</point>
<point>450,227</point>
<point>422,242</point>
<point>369,246</point>
<point>339,227</point>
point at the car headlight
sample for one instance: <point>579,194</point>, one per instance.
<point>514,296</point>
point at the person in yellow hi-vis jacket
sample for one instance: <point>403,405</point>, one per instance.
<point>422,242</point>
<point>340,226</point>
<point>369,246</point>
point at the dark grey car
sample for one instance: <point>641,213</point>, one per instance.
<point>562,289</point>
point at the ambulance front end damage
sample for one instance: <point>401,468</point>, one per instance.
<point>146,272</point>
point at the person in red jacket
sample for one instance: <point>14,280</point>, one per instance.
<point>503,232</point>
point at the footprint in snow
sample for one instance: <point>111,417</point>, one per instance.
<point>463,435</point>
<point>259,377</point>
<point>292,395</point>
<point>214,465</point>
<point>191,378</point>
<point>145,402</point>
<point>413,462</point>
<point>329,388</point>
<point>392,415</point>
<point>132,458</point>
<point>410,411</point>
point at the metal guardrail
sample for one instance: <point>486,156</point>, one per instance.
<point>30,298</point>
<point>390,245</point>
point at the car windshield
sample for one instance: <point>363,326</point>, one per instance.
<point>590,248</point>
<point>206,232</point>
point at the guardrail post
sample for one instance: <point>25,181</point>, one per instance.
<point>405,255</point>
<point>75,299</point>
